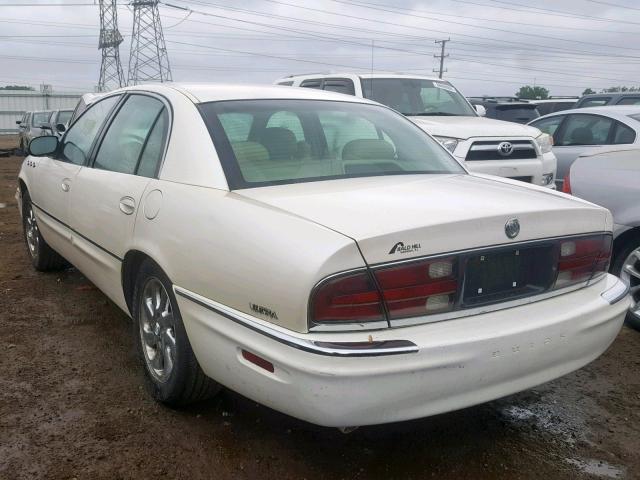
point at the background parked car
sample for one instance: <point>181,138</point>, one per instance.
<point>582,130</point>
<point>509,109</point>
<point>59,118</point>
<point>611,178</point>
<point>484,145</point>
<point>602,99</point>
<point>554,104</point>
<point>31,126</point>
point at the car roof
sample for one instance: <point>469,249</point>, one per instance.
<point>614,111</point>
<point>212,92</point>
<point>360,75</point>
<point>611,94</point>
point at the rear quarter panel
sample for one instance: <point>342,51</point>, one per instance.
<point>237,251</point>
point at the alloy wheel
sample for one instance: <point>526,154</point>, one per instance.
<point>630,274</point>
<point>32,232</point>
<point>157,330</point>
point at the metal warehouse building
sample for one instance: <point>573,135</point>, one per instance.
<point>13,104</point>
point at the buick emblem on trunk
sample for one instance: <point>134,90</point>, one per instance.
<point>505,148</point>
<point>512,228</point>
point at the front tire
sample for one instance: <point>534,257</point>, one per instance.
<point>172,372</point>
<point>626,265</point>
<point>43,257</point>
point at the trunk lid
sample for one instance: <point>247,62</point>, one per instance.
<point>399,217</point>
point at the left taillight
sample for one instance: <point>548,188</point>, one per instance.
<point>581,259</point>
<point>347,298</point>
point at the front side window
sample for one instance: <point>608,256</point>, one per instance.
<point>64,117</point>
<point>414,96</point>
<point>549,125</point>
<point>331,140</point>
<point>123,143</point>
<point>77,142</point>
<point>584,129</point>
<point>628,101</point>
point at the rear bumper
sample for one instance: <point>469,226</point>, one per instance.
<point>456,363</point>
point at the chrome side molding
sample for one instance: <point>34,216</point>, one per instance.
<point>615,293</point>
<point>335,349</point>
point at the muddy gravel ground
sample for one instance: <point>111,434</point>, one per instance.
<point>72,405</point>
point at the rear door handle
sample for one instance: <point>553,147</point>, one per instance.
<point>127,205</point>
<point>65,185</point>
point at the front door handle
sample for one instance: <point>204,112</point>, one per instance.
<point>127,205</point>
<point>66,185</point>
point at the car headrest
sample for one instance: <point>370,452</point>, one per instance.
<point>582,136</point>
<point>368,149</point>
<point>280,142</point>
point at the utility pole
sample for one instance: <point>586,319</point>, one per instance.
<point>111,74</point>
<point>148,61</point>
<point>442,56</point>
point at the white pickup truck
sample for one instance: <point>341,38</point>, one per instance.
<point>486,146</point>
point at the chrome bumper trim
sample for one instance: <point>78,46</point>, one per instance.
<point>335,349</point>
<point>615,293</point>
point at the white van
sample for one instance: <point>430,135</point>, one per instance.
<point>486,146</point>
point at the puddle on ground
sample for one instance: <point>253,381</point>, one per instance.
<point>597,467</point>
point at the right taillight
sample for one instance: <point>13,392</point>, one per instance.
<point>582,258</point>
<point>566,184</point>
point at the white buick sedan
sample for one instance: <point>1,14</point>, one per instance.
<point>317,253</point>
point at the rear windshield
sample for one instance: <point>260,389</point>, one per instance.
<point>270,142</point>
<point>415,96</point>
<point>518,114</point>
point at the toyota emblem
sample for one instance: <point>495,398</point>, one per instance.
<point>505,148</point>
<point>512,228</point>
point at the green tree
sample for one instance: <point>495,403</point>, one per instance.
<point>16,87</point>
<point>588,91</point>
<point>532,93</point>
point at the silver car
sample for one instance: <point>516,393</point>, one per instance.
<point>583,130</point>
<point>611,177</point>
<point>32,125</point>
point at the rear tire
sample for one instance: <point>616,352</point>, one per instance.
<point>43,257</point>
<point>172,372</point>
<point>626,265</point>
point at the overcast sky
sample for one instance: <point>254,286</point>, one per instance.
<point>496,45</point>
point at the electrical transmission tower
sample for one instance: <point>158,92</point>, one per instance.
<point>148,61</point>
<point>111,74</point>
<point>442,56</point>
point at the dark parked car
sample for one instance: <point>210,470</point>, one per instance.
<point>554,104</point>
<point>509,109</point>
<point>602,99</point>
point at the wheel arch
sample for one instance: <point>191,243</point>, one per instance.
<point>130,266</point>
<point>624,238</point>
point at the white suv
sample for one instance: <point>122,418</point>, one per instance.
<point>486,146</point>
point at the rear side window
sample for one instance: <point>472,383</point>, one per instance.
<point>126,138</point>
<point>78,141</point>
<point>153,150</point>
<point>313,83</point>
<point>286,84</point>
<point>623,134</point>
<point>595,102</point>
<point>629,101</point>
<point>339,86</point>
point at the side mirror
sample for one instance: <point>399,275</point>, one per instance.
<point>18,122</point>
<point>61,128</point>
<point>480,110</point>
<point>43,146</point>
